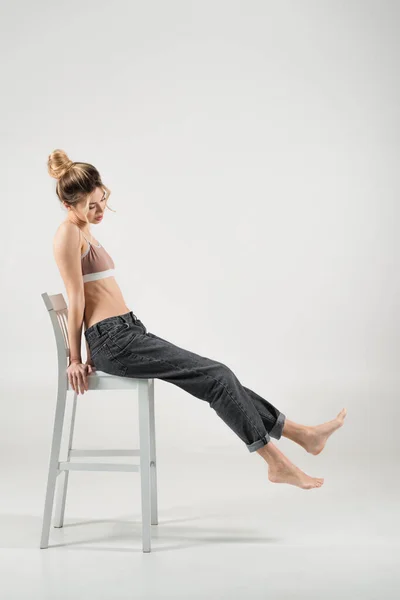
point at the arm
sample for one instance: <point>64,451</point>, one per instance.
<point>67,253</point>
<point>88,357</point>
<point>75,320</point>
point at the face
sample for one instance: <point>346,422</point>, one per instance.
<point>96,205</point>
<point>90,210</point>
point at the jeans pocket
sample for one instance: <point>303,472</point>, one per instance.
<point>119,339</point>
<point>117,329</point>
<point>96,346</point>
<point>105,361</point>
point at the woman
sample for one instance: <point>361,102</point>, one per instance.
<point>118,342</point>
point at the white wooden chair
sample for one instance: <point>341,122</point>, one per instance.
<point>99,380</point>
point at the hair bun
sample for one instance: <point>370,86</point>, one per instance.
<point>58,163</point>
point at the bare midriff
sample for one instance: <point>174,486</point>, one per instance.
<point>103,299</point>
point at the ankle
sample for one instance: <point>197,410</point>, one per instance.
<point>295,432</point>
<point>271,454</point>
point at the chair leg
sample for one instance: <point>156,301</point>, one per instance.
<point>144,433</point>
<point>54,459</point>
<point>153,461</point>
<point>62,484</point>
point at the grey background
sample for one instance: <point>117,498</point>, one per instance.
<point>252,151</point>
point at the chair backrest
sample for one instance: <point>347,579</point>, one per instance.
<point>58,312</point>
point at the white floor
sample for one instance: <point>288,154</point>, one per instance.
<point>224,530</point>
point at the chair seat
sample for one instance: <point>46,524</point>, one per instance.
<point>99,380</point>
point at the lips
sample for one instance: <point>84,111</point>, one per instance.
<point>99,218</point>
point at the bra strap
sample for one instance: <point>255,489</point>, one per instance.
<point>84,235</point>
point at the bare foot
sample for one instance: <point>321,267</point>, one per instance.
<point>286,472</point>
<point>281,470</point>
<point>289,473</point>
<point>315,437</point>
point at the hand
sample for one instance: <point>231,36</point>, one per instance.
<point>77,375</point>
<point>90,363</point>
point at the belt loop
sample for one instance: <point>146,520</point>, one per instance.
<point>97,328</point>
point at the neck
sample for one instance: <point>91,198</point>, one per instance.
<point>83,225</point>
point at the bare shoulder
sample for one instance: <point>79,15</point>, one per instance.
<point>67,231</point>
<point>67,253</point>
<point>67,236</point>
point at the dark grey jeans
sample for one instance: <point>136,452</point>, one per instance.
<point>122,346</point>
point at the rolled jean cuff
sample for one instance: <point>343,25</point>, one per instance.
<point>276,431</point>
<point>259,443</point>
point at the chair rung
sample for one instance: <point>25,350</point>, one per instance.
<point>71,466</point>
<point>104,452</point>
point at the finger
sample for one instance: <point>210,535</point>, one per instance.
<point>81,383</point>
<point>76,382</point>
<point>73,382</point>
<point>85,377</point>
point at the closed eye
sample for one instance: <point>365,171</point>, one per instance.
<point>102,200</point>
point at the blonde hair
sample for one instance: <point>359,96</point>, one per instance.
<point>75,180</point>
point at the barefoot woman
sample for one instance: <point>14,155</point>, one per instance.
<point>118,342</point>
